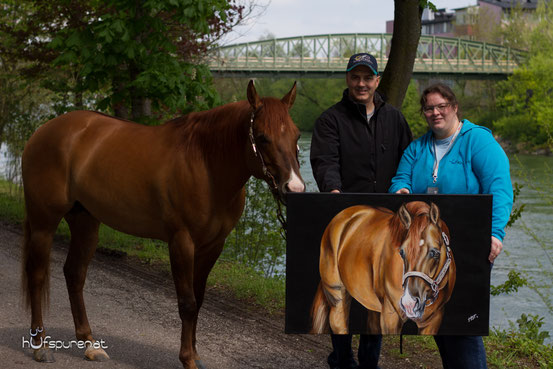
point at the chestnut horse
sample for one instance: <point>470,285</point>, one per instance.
<point>182,182</point>
<point>396,264</point>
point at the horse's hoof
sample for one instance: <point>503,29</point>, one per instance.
<point>96,354</point>
<point>43,355</point>
<point>199,364</point>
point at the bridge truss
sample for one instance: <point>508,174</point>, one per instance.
<point>327,55</point>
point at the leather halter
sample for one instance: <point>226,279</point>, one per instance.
<point>272,184</point>
<point>266,171</point>
<point>257,153</point>
<point>434,284</point>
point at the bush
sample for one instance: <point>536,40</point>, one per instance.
<point>411,111</point>
<point>520,128</point>
<point>256,240</point>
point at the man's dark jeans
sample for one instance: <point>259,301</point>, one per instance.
<point>342,356</point>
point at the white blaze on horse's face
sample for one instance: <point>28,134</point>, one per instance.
<point>411,306</point>
<point>424,259</point>
<point>295,183</point>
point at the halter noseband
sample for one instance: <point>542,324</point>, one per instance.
<point>434,284</point>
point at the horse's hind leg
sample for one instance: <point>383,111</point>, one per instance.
<point>84,238</point>
<point>40,225</point>
<point>339,309</point>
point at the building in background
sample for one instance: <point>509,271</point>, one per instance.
<point>438,23</point>
<point>469,21</point>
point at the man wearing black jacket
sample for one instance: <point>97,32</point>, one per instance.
<point>356,147</point>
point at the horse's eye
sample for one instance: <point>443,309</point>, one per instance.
<point>262,140</point>
<point>402,253</point>
<point>434,254</point>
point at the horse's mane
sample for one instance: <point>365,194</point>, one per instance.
<point>226,125</point>
<point>419,212</point>
<point>212,129</point>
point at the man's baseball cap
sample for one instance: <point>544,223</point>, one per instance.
<point>362,59</point>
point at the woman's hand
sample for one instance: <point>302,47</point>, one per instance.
<point>497,246</point>
<point>403,191</point>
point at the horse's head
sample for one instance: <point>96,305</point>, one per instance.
<point>274,142</point>
<point>427,258</point>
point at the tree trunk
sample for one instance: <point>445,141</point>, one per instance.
<point>141,107</point>
<point>120,108</point>
<point>405,41</point>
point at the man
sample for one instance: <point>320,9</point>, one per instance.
<point>356,147</point>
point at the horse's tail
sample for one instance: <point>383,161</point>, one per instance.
<point>26,269</point>
<point>319,312</point>
<point>24,279</point>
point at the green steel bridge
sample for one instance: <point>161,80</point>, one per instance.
<point>327,55</point>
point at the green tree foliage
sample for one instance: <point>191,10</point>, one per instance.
<point>13,88</point>
<point>526,97</point>
<point>24,104</point>
<point>314,95</point>
<point>412,112</point>
<point>130,57</point>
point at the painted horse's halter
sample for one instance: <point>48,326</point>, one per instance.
<point>434,284</point>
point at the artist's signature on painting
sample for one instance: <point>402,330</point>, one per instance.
<point>472,318</point>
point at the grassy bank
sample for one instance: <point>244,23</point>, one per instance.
<point>515,348</point>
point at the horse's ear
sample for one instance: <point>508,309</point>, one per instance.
<point>404,216</point>
<point>253,97</point>
<point>290,97</point>
<point>434,213</point>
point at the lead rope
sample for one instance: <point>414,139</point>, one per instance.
<point>401,343</point>
<point>281,218</point>
<point>273,186</point>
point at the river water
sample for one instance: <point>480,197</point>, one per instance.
<point>522,253</point>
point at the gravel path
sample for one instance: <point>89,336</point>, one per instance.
<point>135,313</point>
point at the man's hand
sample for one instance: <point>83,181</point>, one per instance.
<point>403,191</point>
<point>335,191</point>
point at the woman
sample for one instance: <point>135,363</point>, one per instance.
<point>457,157</point>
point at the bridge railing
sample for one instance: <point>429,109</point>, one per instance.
<point>330,53</point>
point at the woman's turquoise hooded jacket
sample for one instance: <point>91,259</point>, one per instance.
<point>475,164</point>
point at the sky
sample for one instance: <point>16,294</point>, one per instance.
<point>288,18</point>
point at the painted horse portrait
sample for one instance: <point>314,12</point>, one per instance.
<point>399,266</point>
<point>182,182</point>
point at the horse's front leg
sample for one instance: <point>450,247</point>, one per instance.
<point>373,322</point>
<point>202,267</point>
<point>181,251</point>
<point>390,321</point>
<point>432,325</point>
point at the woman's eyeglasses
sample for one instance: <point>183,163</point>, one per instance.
<point>428,110</point>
